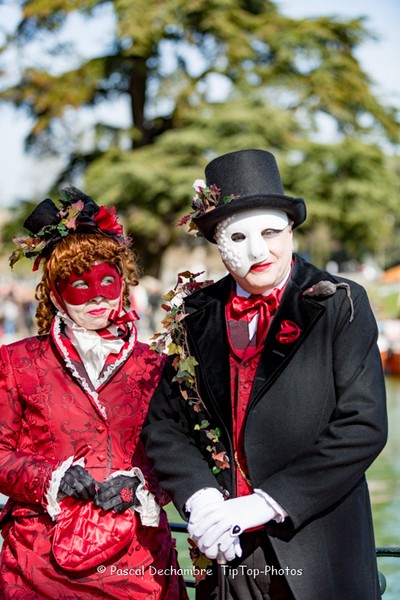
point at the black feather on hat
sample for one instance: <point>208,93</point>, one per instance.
<point>245,179</point>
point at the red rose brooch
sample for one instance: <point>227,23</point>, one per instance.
<point>289,332</point>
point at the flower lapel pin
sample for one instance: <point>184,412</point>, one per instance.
<point>288,333</point>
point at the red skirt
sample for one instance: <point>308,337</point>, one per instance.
<point>28,570</point>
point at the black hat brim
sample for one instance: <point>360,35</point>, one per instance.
<point>295,208</point>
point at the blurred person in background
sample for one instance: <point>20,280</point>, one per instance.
<point>83,517</point>
<point>9,314</point>
<point>265,450</point>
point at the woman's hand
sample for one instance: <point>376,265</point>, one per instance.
<point>78,483</point>
<point>117,493</point>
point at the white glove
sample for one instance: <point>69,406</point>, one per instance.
<point>215,527</point>
<point>201,503</point>
<point>203,498</point>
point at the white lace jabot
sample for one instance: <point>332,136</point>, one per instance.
<point>92,348</point>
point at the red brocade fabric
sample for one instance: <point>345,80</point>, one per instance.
<point>242,377</point>
<point>243,359</point>
<point>47,416</point>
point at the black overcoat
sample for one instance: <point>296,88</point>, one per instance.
<point>316,421</point>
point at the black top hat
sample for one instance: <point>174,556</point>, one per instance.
<point>252,178</point>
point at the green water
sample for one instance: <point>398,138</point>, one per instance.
<point>384,484</point>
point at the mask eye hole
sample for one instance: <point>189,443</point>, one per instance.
<point>107,280</point>
<point>238,237</point>
<point>80,284</point>
<point>271,233</point>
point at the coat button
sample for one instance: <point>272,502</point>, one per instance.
<point>101,457</point>
<point>100,428</point>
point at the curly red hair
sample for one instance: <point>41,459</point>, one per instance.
<point>77,253</point>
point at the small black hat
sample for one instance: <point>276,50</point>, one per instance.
<point>48,224</point>
<point>252,178</point>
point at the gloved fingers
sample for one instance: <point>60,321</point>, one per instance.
<point>237,547</point>
<point>205,497</point>
<point>117,493</point>
<point>199,528</point>
<point>120,508</point>
<point>229,553</point>
<point>83,477</point>
<point>232,551</point>
<point>66,489</point>
<point>232,548</point>
<point>112,487</point>
<point>214,534</point>
<point>105,493</point>
<point>107,504</point>
<point>115,504</point>
<point>207,517</point>
<point>206,512</point>
<point>78,482</point>
<point>209,551</point>
<point>226,540</point>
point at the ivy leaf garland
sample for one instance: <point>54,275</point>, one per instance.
<point>173,341</point>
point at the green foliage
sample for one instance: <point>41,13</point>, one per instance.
<point>275,77</point>
<point>353,187</point>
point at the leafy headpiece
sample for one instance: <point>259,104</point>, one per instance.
<point>48,224</point>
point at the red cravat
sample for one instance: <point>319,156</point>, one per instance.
<point>255,304</point>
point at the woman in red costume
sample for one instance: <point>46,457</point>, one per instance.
<point>83,518</point>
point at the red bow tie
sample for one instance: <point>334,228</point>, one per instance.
<point>256,304</point>
<point>120,321</point>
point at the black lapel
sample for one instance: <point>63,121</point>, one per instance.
<point>301,310</point>
<point>207,335</point>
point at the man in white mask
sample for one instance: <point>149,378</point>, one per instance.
<point>292,397</point>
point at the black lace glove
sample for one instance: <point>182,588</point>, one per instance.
<point>117,493</point>
<point>78,483</point>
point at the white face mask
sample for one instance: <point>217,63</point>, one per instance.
<point>244,239</point>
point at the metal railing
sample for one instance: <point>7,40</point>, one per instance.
<point>386,551</point>
<point>381,551</point>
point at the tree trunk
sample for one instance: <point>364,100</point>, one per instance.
<point>137,91</point>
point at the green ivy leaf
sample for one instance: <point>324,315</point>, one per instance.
<point>188,364</point>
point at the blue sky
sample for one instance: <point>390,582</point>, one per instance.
<point>379,58</point>
<point>22,176</point>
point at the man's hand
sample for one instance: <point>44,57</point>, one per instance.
<point>117,493</point>
<point>200,504</point>
<point>215,527</point>
<point>78,483</point>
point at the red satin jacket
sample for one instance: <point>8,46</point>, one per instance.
<point>49,412</point>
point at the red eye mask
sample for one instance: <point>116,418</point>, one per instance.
<point>101,280</point>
